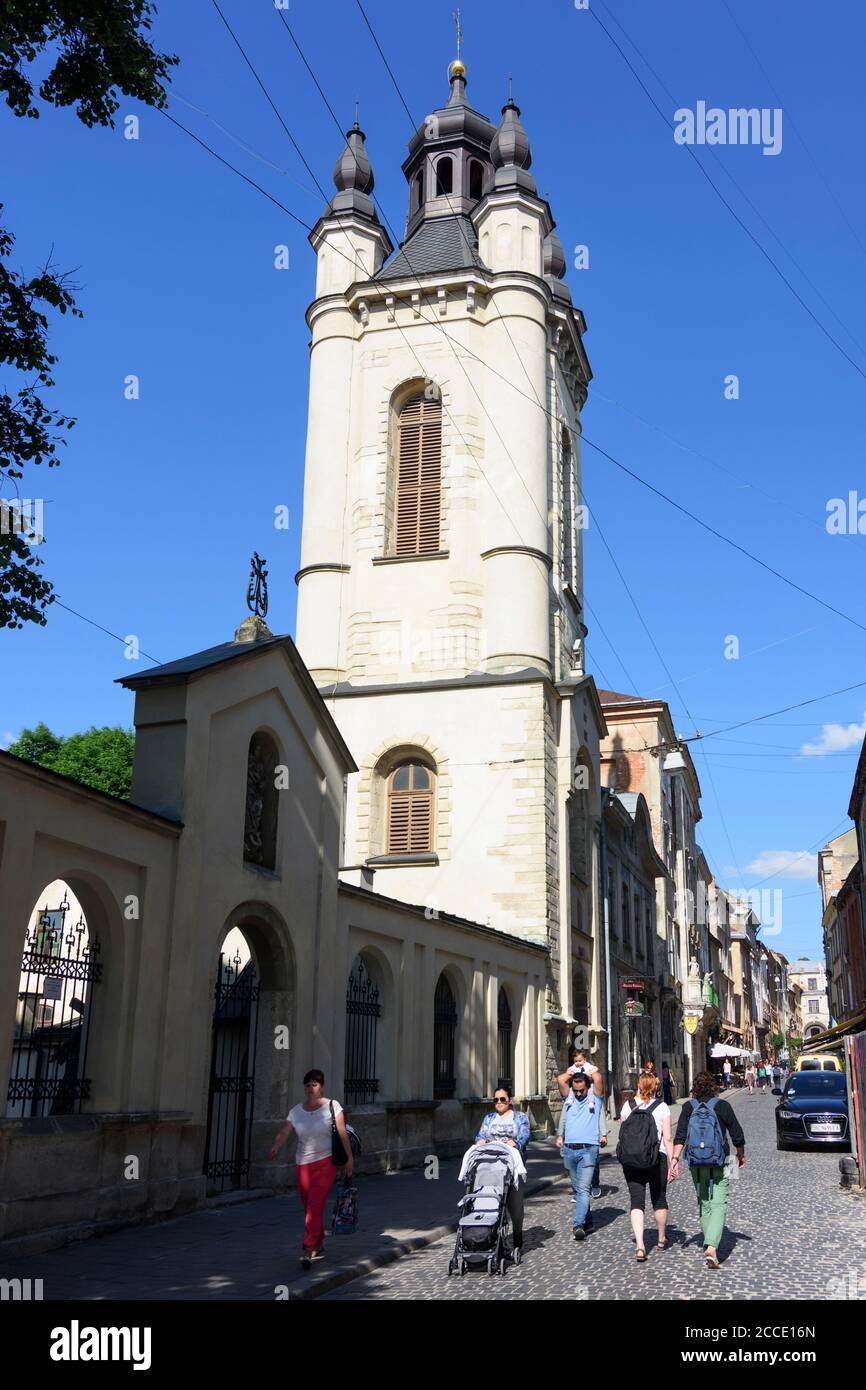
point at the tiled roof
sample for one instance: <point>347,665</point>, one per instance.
<point>442,243</point>
<point>613,697</point>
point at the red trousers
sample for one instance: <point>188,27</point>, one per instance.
<point>314,1183</point>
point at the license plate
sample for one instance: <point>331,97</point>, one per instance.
<point>826,1129</point>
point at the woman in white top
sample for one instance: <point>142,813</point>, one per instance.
<point>313,1124</point>
<point>751,1077</point>
<point>656,1178</point>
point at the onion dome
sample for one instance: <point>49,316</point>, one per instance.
<point>554,256</point>
<point>510,152</point>
<point>353,177</point>
<point>553,262</point>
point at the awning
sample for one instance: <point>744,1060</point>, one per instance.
<point>723,1050</point>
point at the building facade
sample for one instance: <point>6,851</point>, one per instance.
<point>811,976</point>
<point>194,951</point>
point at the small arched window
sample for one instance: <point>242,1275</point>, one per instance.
<point>444,176</point>
<point>260,819</point>
<point>410,809</point>
<point>444,1038</point>
<point>417,191</point>
<point>419,476</point>
<point>476,179</point>
<point>505,1039</point>
<point>569,546</point>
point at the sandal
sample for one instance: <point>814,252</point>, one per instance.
<point>711,1261</point>
<point>641,1255</point>
<point>662,1244</point>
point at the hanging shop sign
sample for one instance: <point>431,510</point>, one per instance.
<point>634,984</point>
<point>634,1008</point>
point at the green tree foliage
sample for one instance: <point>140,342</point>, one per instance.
<point>96,49</point>
<point>97,46</point>
<point>30,432</point>
<point>100,758</point>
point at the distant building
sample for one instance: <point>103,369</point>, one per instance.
<point>811,976</point>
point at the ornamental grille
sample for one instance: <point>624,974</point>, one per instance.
<point>59,969</point>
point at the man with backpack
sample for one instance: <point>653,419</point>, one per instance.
<point>643,1150</point>
<point>702,1132</point>
<point>579,1142</point>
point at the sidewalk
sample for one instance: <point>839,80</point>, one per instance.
<point>250,1250</point>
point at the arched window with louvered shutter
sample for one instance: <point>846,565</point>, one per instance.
<point>419,477</point>
<point>411,788</point>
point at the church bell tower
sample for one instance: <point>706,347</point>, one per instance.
<point>440,605</point>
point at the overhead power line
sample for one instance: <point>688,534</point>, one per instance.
<point>720,195</point>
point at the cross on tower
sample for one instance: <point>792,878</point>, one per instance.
<point>456,17</point>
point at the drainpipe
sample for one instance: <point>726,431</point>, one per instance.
<point>605,907</point>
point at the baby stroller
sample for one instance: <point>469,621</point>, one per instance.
<point>484,1230</point>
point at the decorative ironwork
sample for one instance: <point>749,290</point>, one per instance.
<point>59,967</point>
<point>231,1093</point>
<point>363,1012</point>
<point>444,1039</point>
<point>257,589</point>
<point>505,1047</point>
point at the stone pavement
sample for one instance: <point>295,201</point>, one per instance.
<point>792,1232</point>
<point>249,1249</point>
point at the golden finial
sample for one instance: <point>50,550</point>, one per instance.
<point>458,67</point>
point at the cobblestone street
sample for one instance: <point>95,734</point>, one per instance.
<point>791,1232</point>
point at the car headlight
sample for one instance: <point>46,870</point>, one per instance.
<point>788,1115</point>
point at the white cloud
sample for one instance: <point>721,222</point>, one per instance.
<point>784,863</point>
<point>7,739</point>
<point>836,738</point>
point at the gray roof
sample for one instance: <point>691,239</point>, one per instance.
<point>441,243</point>
<point>199,661</point>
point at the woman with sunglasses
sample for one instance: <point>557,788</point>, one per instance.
<point>504,1125</point>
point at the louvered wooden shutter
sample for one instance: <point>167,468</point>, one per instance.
<point>410,818</point>
<point>419,477</point>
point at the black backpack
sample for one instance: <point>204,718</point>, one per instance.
<point>638,1145</point>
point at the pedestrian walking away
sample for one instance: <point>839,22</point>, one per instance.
<point>321,1127</point>
<point>649,1069</point>
<point>504,1125</point>
<point>644,1148</point>
<point>727,1070</point>
<point>702,1131</point>
<point>762,1077</point>
<point>579,1061</point>
<point>667,1085</point>
<point>579,1143</point>
<point>750,1078</point>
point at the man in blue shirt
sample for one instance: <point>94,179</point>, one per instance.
<point>580,1140</point>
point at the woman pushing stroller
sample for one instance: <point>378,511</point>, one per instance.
<point>504,1125</point>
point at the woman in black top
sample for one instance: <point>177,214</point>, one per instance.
<point>711,1181</point>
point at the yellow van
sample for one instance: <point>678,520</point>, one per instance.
<point>818,1061</point>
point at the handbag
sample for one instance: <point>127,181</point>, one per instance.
<point>338,1153</point>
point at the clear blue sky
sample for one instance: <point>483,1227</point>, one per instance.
<point>152,518</point>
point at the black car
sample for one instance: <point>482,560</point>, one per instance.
<point>813,1110</point>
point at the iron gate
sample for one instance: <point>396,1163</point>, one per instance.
<point>48,1075</point>
<point>363,1012</point>
<point>231,1093</point>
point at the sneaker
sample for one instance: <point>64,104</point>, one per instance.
<point>595,1191</point>
<point>306,1259</point>
<point>579,1233</point>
